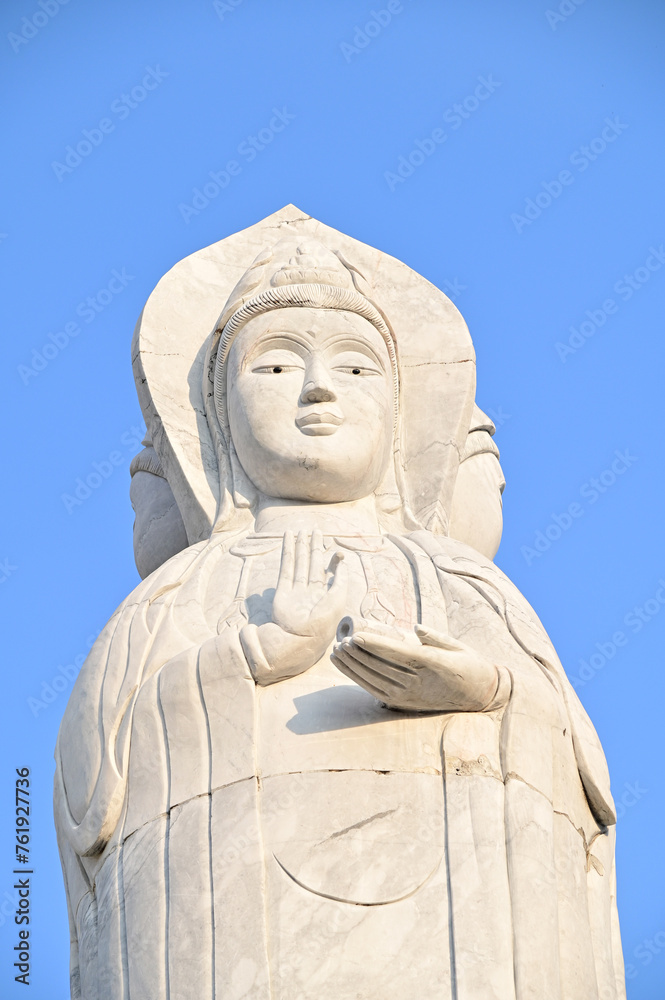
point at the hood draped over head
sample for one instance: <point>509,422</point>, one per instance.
<point>289,260</point>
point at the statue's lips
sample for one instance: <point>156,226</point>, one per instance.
<point>319,423</point>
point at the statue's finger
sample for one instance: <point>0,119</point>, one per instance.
<point>336,558</point>
<point>316,558</point>
<point>361,681</point>
<point>396,651</point>
<point>285,578</point>
<point>430,637</point>
<point>380,674</point>
<point>340,577</point>
<point>301,569</point>
<point>395,671</point>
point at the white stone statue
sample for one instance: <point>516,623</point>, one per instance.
<point>325,750</point>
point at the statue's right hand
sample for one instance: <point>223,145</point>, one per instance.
<point>306,602</point>
<point>309,602</point>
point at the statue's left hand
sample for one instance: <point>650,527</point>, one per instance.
<point>438,673</point>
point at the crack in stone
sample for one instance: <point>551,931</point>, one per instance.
<point>361,823</point>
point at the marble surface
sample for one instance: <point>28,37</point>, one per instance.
<point>325,749</point>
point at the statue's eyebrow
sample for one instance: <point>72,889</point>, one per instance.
<point>275,340</point>
<point>301,343</point>
<point>350,342</point>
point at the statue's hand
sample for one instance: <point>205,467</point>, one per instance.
<point>433,673</point>
<point>304,603</point>
<point>309,601</point>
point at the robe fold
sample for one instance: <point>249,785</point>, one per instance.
<point>302,840</point>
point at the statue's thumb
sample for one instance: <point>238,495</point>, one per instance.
<point>430,637</point>
<point>338,568</point>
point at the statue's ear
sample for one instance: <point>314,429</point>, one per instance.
<point>243,489</point>
<point>387,494</point>
<point>391,502</point>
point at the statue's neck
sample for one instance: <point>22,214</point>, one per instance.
<point>354,517</point>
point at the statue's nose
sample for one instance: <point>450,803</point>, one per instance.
<point>317,391</point>
<point>318,387</point>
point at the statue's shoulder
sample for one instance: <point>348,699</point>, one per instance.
<point>460,559</point>
<point>161,584</point>
<point>158,589</point>
<point>443,546</point>
<point>167,577</point>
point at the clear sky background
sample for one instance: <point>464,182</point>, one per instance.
<point>570,379</point>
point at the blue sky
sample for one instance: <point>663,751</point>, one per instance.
<point>536,203</point>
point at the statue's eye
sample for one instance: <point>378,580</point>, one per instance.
<point>355,363</point>
<point>277,363</point>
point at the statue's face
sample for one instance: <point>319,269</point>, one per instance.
<point>476,516</point>
<point>310,404</point>
<point>159,531</point>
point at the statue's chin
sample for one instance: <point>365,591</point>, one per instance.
<point>316,494</point>
<point>317,488</point>
<point>314,476</point>
<point>319,430</point>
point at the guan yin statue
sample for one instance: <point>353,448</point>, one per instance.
<point>325,750</point>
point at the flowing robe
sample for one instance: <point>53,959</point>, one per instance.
<point>301,840</point>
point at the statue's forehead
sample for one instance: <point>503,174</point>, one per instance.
<point>315,325</point>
